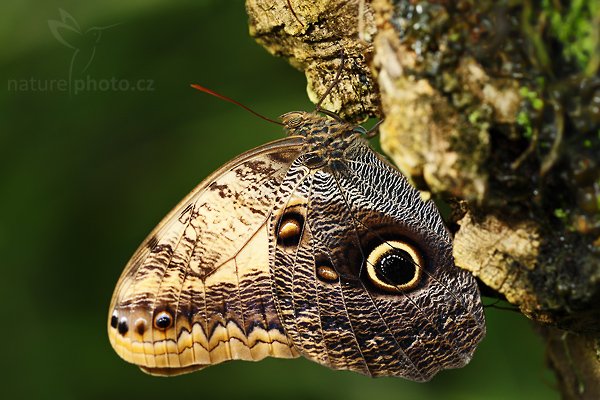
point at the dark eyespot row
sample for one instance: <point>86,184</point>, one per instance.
<point>123,327</point>
<point>162,320</point>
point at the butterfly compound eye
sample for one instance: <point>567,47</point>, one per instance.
<point>295,122</point>
<point>394,266</point>
<point>163,320</point>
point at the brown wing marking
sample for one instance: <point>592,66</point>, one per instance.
<point>205,271</point>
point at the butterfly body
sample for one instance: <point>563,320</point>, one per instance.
<point>312,245</point>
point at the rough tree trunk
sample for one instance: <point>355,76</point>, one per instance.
<point>493,106</point>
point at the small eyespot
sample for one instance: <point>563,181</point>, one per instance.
<point>123,327</point>
<point>289,231</point>
<point>163,320</point>
<point>394,266</point>
<point>114,320</point>
<point>140,326</point>
<point>327,273</point>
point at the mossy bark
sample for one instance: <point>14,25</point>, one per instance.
<point>495,108</point>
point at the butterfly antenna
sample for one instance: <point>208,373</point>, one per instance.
<point>335,82</point>
<point>237,103</point>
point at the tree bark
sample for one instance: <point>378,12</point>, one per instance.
<point>495,108</point>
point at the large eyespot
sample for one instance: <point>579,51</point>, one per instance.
<point>295,122</point>
<point>395,266</point>
<point>163,320</point>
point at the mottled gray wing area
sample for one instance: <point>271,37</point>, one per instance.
<point>347,208</point>
<point>198,290</point>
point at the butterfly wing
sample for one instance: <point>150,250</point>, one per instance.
<point>311,245</point>
<point>197,291</point>
<point>339,284</point>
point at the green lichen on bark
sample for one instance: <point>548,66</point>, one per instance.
<point>575,24</point>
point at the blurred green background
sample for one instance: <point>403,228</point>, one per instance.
<point>85,176</point>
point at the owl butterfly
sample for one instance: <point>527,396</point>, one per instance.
<point>311,245</point>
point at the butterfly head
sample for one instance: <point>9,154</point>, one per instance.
<point>326,137</point>
<point>302,123</point>
<point>298,122</point>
